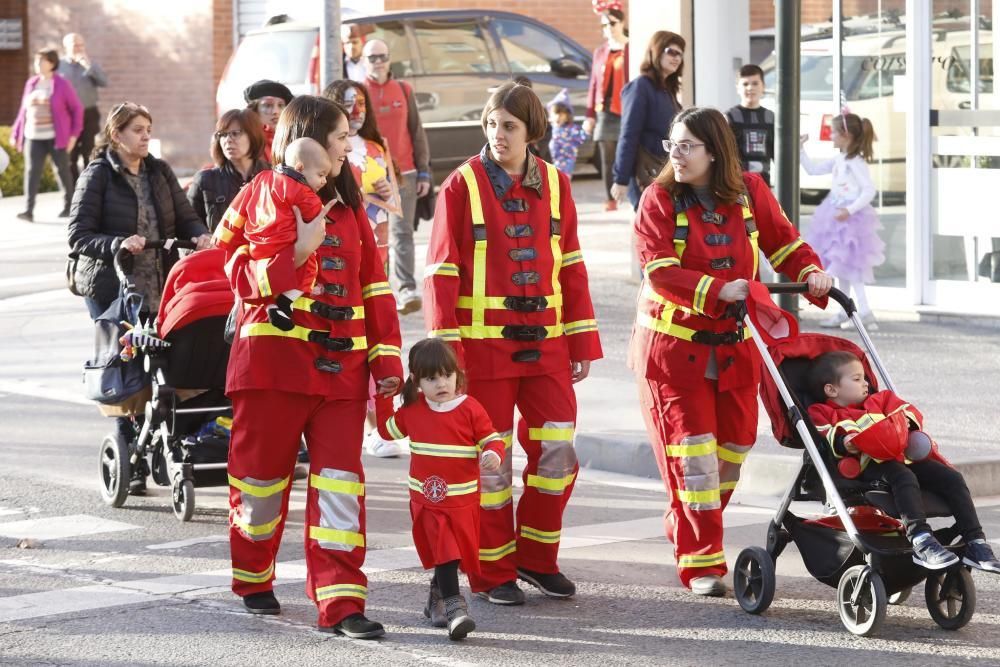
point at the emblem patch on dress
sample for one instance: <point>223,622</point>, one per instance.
<point>435,489</point>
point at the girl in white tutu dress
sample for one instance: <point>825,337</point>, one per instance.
<point>844,229</point>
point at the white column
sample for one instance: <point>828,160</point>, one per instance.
<point>918,149</point>
<point>646,17</point>
<point>721,47</point>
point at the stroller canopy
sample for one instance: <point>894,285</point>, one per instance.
<point>196,288</point>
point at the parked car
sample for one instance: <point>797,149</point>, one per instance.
<point>452,58</point>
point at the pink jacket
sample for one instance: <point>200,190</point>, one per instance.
<point>67,112</point>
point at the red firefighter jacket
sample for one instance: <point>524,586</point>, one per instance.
<point>688,254</point>
<point>505,279</point>
<point>346,329</point>
<point>445,442</point>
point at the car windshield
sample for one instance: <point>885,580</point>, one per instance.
<point>279,56</point>
<point>863,77</point>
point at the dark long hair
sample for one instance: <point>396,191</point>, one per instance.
<point>860,131</point>
<point>650,67</point>
<point>709,126</point>
<point>369,129</point>
<point>249,122</point>
<point>430,357</point>
<point>315,117</point>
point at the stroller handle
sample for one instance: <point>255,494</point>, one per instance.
<point>802,288</point>
<point>169,244</point>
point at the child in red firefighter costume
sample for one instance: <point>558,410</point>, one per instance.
<point>311,381</point>
<point>447,432</point>
<point>880,437</point>
<point>698,231</point>
<point>270,223</point>
<point>506,285</point>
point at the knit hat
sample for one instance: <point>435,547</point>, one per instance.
<point>267,88</point>
<point>561,98</point>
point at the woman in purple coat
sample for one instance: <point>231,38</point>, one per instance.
<point>48,123</point>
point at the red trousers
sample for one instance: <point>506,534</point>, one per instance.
<point>548,418</point>
<point>700,437</point>
<point>267,427</point>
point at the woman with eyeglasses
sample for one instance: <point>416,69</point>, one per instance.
<point>698,231</point>
<point>238,152</point>
<point>608,76</point>
<point>649,104</point>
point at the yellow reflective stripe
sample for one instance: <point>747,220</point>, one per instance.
<point>543,536</point>
<point>337,485</point>
<point>671,329</point>
<point>508,439</point>
<point>701,293</point>
<point>782,253</point>
<point>259,491</point>
<point>251,529</point>
<point>580,326</point>
<point>728,486</point>
<point>445,334</point>
<point>680,244</point>
<point>755,250</point>
<point>560,434</point>
<point>557,256</point>
<point>479,253</point>
<point>649,293</point>
<point>489,438</point>
<point>441,269</point>
<point>494,498</point>
<point>553,175</point>
<point>498,552</point>
<point>223,234</point>
<point>697,449</point>
<point>338,536</point>
<point>497,302</point>
<point>341,591</point>
<point>551,483</point>
<point>234,219</point>
<point>254,577</point>
<point>444,451</point>
<point>811,268</point>
<point>393,430</point>
<point>733,457</point>
<point>482,332</point>
<point>662,263</point>
<point>305,303</point>
<point>686,496</point>
<point>702,560</point>
<point>383,350</point>
<point>375,289</point>
<point>263,283</point>
<point>359,343</point>
<point>571,258</point>
<point>459,489</point>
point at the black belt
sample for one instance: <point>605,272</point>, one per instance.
<point>526,304</point>
<point>716,338</point>
<point>524,333</point>
<point>329,312</point>
<point>330,343</point>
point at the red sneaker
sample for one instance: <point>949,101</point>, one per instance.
<point>611,205</point>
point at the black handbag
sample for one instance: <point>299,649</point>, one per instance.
<point>107,378</point>
<point>71,263</point>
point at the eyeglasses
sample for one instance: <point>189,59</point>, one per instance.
<point>683,147</point>
<point>671,51</point>
<point>378,58</point>
<point>131,106</point>
<point>235,135</point>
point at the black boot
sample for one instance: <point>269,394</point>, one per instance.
<point>262,603</point>
<point>355,626</point>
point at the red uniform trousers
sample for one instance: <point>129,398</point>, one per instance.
<point>547,405</point>
<point>267,426</point>
<point>700,437</point>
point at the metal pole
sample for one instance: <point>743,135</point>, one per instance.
<point>788,15</point>
<point>331,60</point>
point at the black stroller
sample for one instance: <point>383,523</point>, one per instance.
<point>861,550</point>
<point>181,414</point>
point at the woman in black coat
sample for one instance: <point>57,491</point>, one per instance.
<point>123,198</point>
<point>238,152</point>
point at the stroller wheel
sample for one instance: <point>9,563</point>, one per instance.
<point>861,600</point>
<point>754,580</point>
<point>114,470</point>
<point>182,499</point>
<point>900,597</point>
<point>951,597</point>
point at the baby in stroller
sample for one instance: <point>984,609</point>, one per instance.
<point>879,437</point>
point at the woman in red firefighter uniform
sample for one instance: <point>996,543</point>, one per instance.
<point>311,381</point>
<point>506,284</point>
<point>698,231</point>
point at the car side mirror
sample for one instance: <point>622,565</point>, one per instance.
<point>567,68</point>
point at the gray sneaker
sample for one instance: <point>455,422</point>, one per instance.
<point>711,586</point>
<point>434,609</point>
<point>459,622</point>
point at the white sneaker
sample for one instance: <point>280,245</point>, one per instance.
<point>381,448</point>
<point>834,321</point>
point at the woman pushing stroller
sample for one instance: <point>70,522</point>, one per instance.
<point>880,437</point>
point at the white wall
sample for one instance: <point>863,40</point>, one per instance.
<point>721,47</point>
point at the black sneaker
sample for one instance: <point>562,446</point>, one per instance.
<point>262,603</point>
<point>929,553</point>
<point>554,585</point>
<point>355,626</point>
<point>27,216</point>
<point>979,554</point>
<point>508,594</point>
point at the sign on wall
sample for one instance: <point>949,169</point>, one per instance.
<point>11,34</point>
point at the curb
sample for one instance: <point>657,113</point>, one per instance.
<point>629,453</point>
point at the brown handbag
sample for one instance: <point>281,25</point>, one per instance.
<point>647,167</point>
